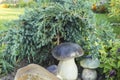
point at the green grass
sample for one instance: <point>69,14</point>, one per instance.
<point>117,31</point>
<point>116,20</point>
<point>8,14</point>
<point>112,20</point>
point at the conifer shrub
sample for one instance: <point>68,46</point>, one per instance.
<point>41,28</point>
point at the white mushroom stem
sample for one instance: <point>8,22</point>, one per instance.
<point>67,69</point>
<point>89,74</point>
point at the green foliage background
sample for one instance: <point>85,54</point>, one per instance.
<point>110,60</point>
<point>114,16</point>
<point>42,27</point>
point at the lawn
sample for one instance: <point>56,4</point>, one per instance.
<point>116,26</point>
<point>115,22</point>
<point>8,14</point>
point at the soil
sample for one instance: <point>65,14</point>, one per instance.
<point>8,77</point>
<point>11,75</point>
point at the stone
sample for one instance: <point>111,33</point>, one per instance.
<point>34,72</point>
<point>53,69</point>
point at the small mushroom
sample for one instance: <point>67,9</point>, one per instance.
<point>89,65</point>
<point>66,52</point>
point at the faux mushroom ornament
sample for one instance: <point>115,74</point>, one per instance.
<point>89,65</point>
<point>65,53</point>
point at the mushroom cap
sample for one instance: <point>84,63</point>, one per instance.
<point>90,63</point>
<point>67,50</point>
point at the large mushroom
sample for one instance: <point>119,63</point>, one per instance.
<point>65,53</point>
<point>89,65</point>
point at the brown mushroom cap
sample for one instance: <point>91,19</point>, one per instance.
<point>67,50</point>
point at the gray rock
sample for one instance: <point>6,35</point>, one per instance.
<point>53,69</point>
